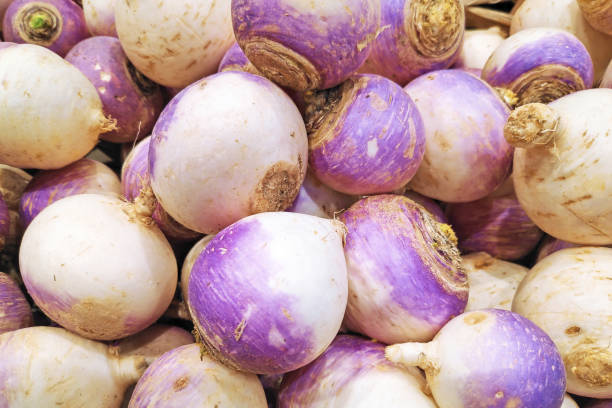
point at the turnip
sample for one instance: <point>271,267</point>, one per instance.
<point>127,95</point>
<point>98,266</point>
<point>13,182</point>
<point>100,17</point>
<point>15,311</point>
<point>5,223</point>
<point>540,65</point>
<point>496,225</point>
<point>478,45</point>
<point>430,205</point>
<point>568,402</point>
<point>488,358</point>
<point>268,293</point>
<point>466,156</point>
<point>404,270</point>
<point>416,37</point>
<point>598,13</point>
<point>566,15</point>
<point>560,173</point>
<point>492,282</point>
<point>353,372</point>
<point>315,198</point>
<point>49,186</point>
<point>298,44</point>
<point>606,81</point>
<point>51,115</point>
<point>235,60</point>
<point>550,245</point>
<point>185,377</point>
<point>175,43</point>
<point>55,24</point>
<point>188,263</point>
<point>567,294</point>
<point>229,145</point>
<point>50,367</point>
<point>365,136</point>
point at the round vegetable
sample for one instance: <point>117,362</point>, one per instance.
<point>416,36</point>
<point>15,311</point>
<point>13,182</point>
<point>184,376</point>
<point>430,205</point>
<point>299,44</point>
<point>127,95</point>
<point>177,42</point>
<point>405,276</point>
<point>188,263</point>
<point>560,174</point>
<point>353,372</point>
<point>100,17</point>
<point>478,45</point>
<point>567,294</point>
<point>55,24</point>
<point>97,266</point>
<point>365,136</point>
<point>235,60</point>
<point>598,13</point>
<point>315,198</point>
<point>230,145</point>
<point>492,282</point>
<point>49,367</point>
<point>52,114</point>
<point>466,156</point>
<point>606,82</point>
<point>83,176</point>
<point>486,358</point>
<point>268,293</point>
<point>152,342</point>
<point>540,65</point>
<point>550,244</point>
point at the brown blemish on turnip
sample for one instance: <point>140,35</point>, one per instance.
<point>474,318</point>
<point>278,188</point>
<point>590,363</point>
<point>572,331</point>
<point>180,384</point>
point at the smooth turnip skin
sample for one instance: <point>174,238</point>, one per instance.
<point>550,245</point>
<point>96,267</point>
<point>152,342</point>
<point>135,177</point>
<point>566,15</point>
<point>606,82</point>
<point>5,223</point>
<point>496,225</point>
<point>598,13</point>
<point>49,366</point>
<point>51,115</point>
<point>478,45</point>
<point>54,24</point>
<point>188,263</point>
<point>430,205</point>
<point>490,357</point>
<point>184,377</point>
<point>268,293</point>
<point>568,402</point>
<point>235,60</point>
<point>540,65</point>
<point>15,311</point>
<point>567,294</point>
<point>466,156</point>
<point>404,270</point>
<point>561,176</point>
<point>13,182</point>
<point>298,44</point>
<point>6,44</point>
<point>100,17</point>
<point>230,145</point>
<point>127,95</point>
<point>492,282</point>
<point>365,136</point>
<point>598,404</point>
<point>175,43</point>
<point>353,372</point>
<point>315,198</point>
<point>47,187</point>
<point>416,37</point>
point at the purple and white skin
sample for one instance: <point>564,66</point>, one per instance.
<point>185,377</point>
<point>606,81</point>
<point>607,403</point>
<point>298,44</point>
<point>496,225</point>
<point>404,270</point>
<point>598,13</point>
<point>315,198</point>
<point>14,308</point>
<point>190,259</point>
<point>100,17</point>
<point>49,186</point>
<point>54,24</point>
<point>49,366</point>
<point>228,146</point>
<point>540,65</point>
<point>5,223</point>
<point>353,372</point>
<point>561,165</point>
<point>551,245</point>
<point>430,205</point>
<point>466,155</point>
<point>567,294</point>
<point>478,45</point>
<point>365,136</point>
<point>492,282</point>
<point>235,60</point>
<point>416,37</point>
<point>127,95</point>
<point>135,178</point>
<point>488,358</point>
<point>268,293</point>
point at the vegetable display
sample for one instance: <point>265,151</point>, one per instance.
<point>15,310</point>
<point>316,198</point>
<point>100,17</point>
<point>598,13</point>
<point>478,45</point>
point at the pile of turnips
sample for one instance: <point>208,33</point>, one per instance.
<point>305,204</point>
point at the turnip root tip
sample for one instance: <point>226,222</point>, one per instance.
<point>531,125</point>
